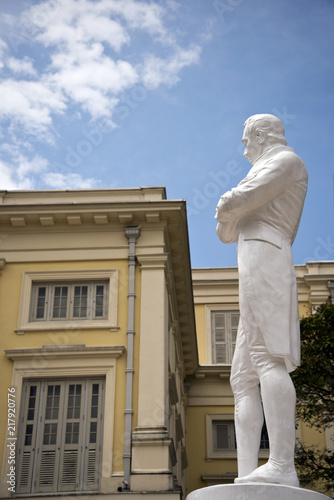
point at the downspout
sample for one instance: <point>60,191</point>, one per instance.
<point>132,233</point>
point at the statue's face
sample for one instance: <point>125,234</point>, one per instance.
<point>253,149</point>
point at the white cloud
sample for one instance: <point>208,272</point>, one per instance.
<point>27,167</point>
<point>24,66</point>
<point>9,179</point>
<point>157,71</point>
<point>30,104</point>
<point>68,181</point>
<point>78,36</point>
<point>93,80</point>
<point>86,61</point>
<point>23,172</point>
<point>3,48</point>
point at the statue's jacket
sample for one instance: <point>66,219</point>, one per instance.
<point>262,214</point>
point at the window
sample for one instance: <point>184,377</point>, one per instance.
<point>223,435</point>
<point>221,438</point>
<point>264,443</point>
<point>61,436</point>
<point>69,301</point>
<point>224,327</point>
<point>84,299</point>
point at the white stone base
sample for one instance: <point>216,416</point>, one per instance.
<point>259,491</point>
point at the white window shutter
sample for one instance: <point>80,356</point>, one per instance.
<point>27,443</point>
<point>224,328</point>
<point>49,437</point>
<point>61,436</point>
<point>72,429</point>
<point>93,448</point>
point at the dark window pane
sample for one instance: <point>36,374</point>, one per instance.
<point>33,390</point>
<point>28,436</point>
<point>31,415</point>
<point>32,402</point>
<point>222,436</point>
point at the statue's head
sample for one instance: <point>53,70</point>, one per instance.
<point>260,133</point>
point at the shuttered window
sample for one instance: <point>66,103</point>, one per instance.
<point>69,301</point>
<point>224,327</point>
<point>223,435</point>
<point>60,439</point>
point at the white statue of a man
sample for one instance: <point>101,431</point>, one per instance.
<point>262,214</point>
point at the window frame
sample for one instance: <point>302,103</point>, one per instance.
<point>233,308</point>
<point>211,453</point>
<point>69,362</point>
<point>44,447</point>
<point>230,436</point>
<point>50,296</point>
<point>29,279</point>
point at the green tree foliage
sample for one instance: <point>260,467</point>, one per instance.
<point>314,385</point>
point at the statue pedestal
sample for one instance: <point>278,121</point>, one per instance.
<point>251,491</point>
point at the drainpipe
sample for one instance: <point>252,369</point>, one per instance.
<point>132,233</point>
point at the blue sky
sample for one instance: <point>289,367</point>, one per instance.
<point>127,93</point>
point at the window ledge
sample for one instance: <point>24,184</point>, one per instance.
<point>66,325</point>
<point>64,351</point>
<point>227,455</point>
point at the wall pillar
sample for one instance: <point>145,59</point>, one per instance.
<point>151,468</point>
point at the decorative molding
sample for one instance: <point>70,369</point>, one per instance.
<point>173,394</point>
<point>73,220</point>
<point>47,221</point>
<point>65,352</point>
<point>152,261</point>
<point>100,219</point>
<point>222,478</point>
<point>153,217</point>
<point>184,458</point>
<point>17,221</point>
<point>178,427</point>
<point>125,218</point>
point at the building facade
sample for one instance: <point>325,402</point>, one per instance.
<point>115,355</point>
<point>97,337</point>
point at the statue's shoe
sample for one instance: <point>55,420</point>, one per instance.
<point>270,473</point>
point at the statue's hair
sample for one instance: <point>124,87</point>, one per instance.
<point>268,124</point>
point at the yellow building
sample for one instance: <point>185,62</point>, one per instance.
<point>107,389</point>
<point>97,337</point>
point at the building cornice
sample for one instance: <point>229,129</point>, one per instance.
<point>65,351</point>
